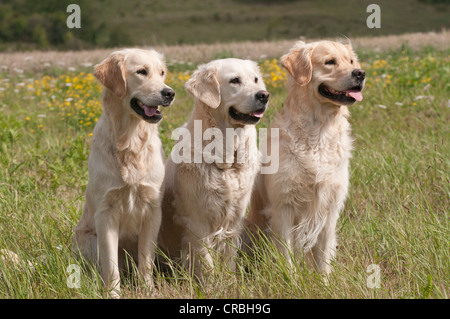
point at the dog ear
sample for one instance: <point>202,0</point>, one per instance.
<point>347,44</point>
<point>111,73</point>
<point>204,85</point>
<point>298,62</point>
<point>352,52</point>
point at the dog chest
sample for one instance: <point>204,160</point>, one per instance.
<point>221,194</point>
<point>310,165</point>
<point>131,204</point>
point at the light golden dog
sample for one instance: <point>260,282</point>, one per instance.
<point>300,204</point>
<point>206,195</point>
<point>123,205</point>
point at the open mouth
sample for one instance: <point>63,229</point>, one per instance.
<point>346,97</point>
<point>149,113</point>
<point>251,118</point>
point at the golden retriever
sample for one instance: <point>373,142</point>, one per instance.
<point>122,211</point>
<point>301,202</point>
<point>207,193</point>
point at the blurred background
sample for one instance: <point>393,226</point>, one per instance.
<point>30,24</point>
<point>396,215</point>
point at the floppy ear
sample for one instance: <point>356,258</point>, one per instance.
<point>111,73</point>
<point>204,85</point>
<point>298,62</point>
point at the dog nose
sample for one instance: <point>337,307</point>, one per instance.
<point>168,93</point>
<point>359,74</point>
<point>262,96</point>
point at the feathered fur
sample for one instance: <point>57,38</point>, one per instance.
<point>300,204</point>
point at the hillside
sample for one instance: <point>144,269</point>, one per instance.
<point>28,24</point>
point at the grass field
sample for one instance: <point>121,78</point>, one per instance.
<point>396,215</point>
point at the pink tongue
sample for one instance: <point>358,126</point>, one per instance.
<point>150,111</point>
<point>356,95</point>
<point>258,114</point>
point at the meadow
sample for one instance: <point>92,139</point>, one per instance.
<point>396,215</point>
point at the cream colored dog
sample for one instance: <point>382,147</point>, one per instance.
<point>206,194</point>
<point>300,204</point>
<point>123,205</point>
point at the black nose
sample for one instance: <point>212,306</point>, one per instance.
<point>168,93</point>
<point>359,74</point>
<point>262,96</point>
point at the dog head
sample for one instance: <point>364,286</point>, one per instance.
<point>137,78</point>
<point>329,69</point>
<point>233,89</point>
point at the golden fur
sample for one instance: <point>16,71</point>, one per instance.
<point>204,203</point>
<point>122,211</point>
<point>300,204</point>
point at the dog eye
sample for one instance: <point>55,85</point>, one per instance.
<point>142,72</point>
<point>235,81</point>
<point>351,61</point>
<point>331,62</point>
<point>162,73</point>
<point>256,80</point>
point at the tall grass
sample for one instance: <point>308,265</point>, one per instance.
<point>396,215</point>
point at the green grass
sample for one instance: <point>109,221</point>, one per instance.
<point>396,215</point>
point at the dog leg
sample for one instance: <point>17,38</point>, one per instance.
<point>85,238</point>
<point>147,245</point>
<point>229,252</point>
<point>108,247</point>
<point>196,255</point>
<point>325,249</point>
<point>85,245</point>
<point>281,226</point>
